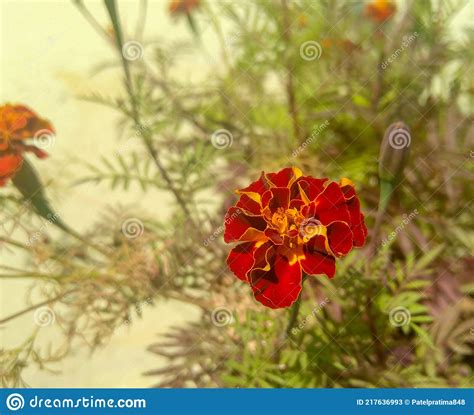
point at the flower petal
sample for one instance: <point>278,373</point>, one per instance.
<point>310,188</point>
<point>242,227</point>
<point>280,198</point>
<point>249,205</point>
<point>331,206</point>
<point>9,165</point>
<point>241,259</point>
<point>347,188</point>
<point>340,238</point>
<point>278,287</point>
<point>317,260</point>
<point>19,146</point>
<point>256,189</point>
<point>285,177</point>
<point>357,221</point>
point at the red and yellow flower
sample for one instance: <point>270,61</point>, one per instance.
<point>18,124</point>
<point>380,10</point>
<point>287,224</point>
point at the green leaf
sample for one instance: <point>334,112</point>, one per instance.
<point>428,258</point>
<point>30,186</point>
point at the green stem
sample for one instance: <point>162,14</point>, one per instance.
<point>295,309</point>
<point>147,140</point>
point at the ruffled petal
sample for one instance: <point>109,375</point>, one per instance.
<point>241,259</point>
<point>331,205</point>
<point>278,287</point>
<point>250,206</point>
<point>317,260</point>
<point>357,224</point>
<point>340,238</point>
<point>256,189</point>
<point>347,188</point>
<point>285,177</point>
<point>274,236</point>
<point>310,188</point>
<point>280,198</point>
<point>242,227</point>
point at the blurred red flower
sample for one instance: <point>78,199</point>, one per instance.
<point>287,224</point>
<point>380,10</point>
<point>182,6</point>
<point>18,124</point>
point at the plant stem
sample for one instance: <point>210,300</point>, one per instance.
<point>35,306</point>
<point>114,17</point>
<point>295,309</point>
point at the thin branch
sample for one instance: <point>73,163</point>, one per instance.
<point>35,306</point>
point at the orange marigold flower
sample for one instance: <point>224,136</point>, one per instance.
<point>182,6</point>
<point>18,123</point>
<point>288,224</point>
<point>380,10</point>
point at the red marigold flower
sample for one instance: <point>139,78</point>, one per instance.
<point>380,10</point>
<point>288,224</point>
<point>9,165</point>
<point>182,6</point>
<point>18,124</point>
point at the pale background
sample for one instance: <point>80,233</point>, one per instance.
<point>47,55</point>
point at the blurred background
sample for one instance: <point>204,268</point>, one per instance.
<point>224,90</point>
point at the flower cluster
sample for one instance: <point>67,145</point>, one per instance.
<point>288,224</point>
<point>18,124</point>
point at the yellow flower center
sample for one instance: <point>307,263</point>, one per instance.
<point>280,220</point>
